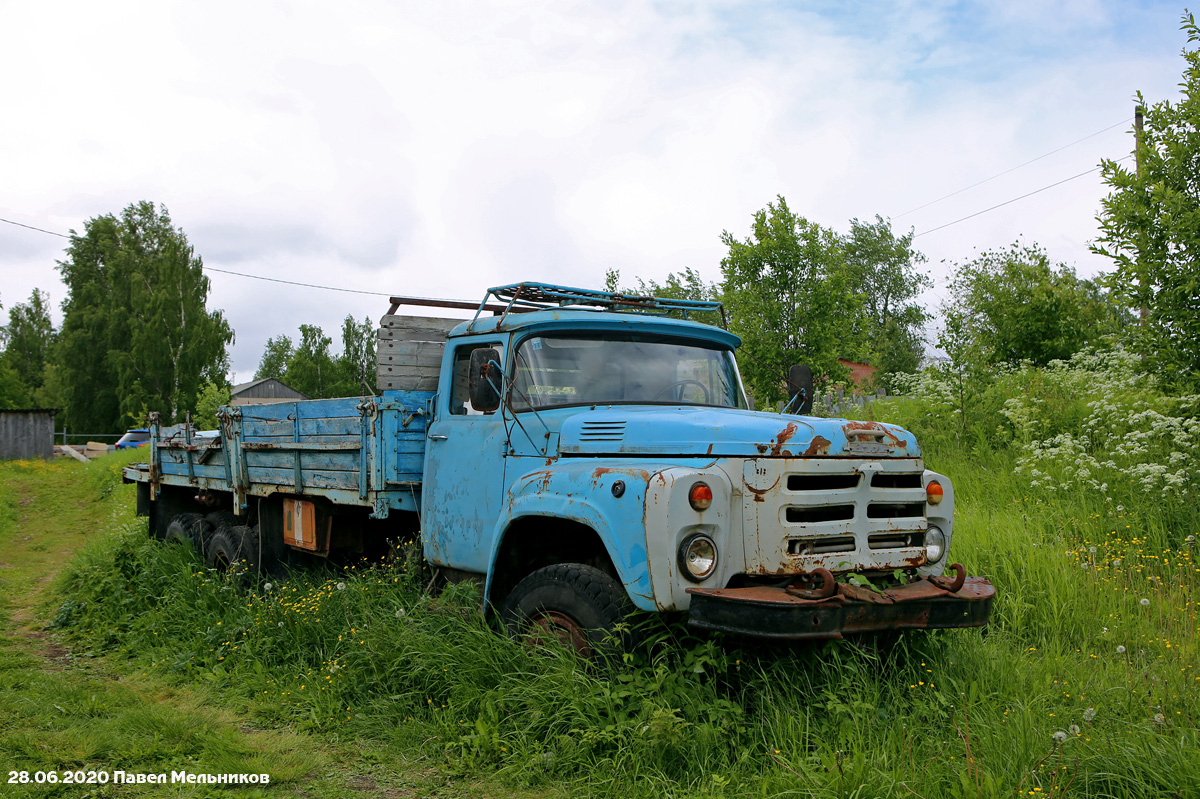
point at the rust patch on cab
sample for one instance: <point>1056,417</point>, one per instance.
<point>818,447</point>
<point>760,493</point>
<point>873,428</point>
<point>784,436</point>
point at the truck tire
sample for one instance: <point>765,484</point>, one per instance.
<point>212,523</point>
<point>185,528</point>
<point>579,606</point>
<point>230,547</point>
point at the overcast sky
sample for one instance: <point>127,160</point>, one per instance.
<point>436,149</point>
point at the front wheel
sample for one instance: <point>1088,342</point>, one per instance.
<point>576,605</point>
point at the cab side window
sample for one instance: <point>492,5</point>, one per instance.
<point>460,394</point>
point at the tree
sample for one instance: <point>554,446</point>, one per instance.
<point>789,296</point>
<point>13,393</point>
<point>28,337</point>
<point>212,396</point>
<point>882,269</point>
<point>136,335</point>
<point>686,285</point>
<point>310,367</point>
<point>357,363</point>
<point>275,358</point>
<point>1150,226</point>
<point>1015,306</point>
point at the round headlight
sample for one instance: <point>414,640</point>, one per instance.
<point>697,557</point>
<point>935,545</point>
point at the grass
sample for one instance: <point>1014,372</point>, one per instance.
<point>1077,688</point>
<point>1084,684</point>
<point>79,705</point>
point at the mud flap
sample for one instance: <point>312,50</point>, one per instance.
<point>777,612</point>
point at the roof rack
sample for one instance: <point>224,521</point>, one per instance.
<point>520,297</point>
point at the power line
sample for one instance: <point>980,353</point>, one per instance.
<point>1014,199</point>
<point>223,271</point>
<point>31,227</point>
<point>1013,169</point>
<point>295,283</point>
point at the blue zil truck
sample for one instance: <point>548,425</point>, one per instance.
<point>581,454</point>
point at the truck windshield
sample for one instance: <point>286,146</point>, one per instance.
<point>552,371</point>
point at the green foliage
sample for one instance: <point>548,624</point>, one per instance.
<point>212,396</point>
<point>13,393</point>
<point>882,270</point>
<point>686,285</point>
<point>1012,305</point>
<point>797,292</point>
<point>136,334</point>
<point>789,296</point>
<point>1097,424</point>
<point>358,360</point>
<point>1150,227</point>
<point>275,358</point>
<point>28,338</point>
<point>311,368</point>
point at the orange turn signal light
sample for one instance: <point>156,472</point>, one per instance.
<point>700,496</point>
<point>934,492</point>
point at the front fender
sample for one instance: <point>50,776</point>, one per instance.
<point>582,493</point>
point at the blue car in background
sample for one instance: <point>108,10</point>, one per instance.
<point>134,438</point>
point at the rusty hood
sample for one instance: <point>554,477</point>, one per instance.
<point>728,432</point>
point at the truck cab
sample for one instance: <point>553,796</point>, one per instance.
<point>573,450</point>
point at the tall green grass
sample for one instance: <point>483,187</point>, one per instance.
<point>1071,651</point>
<point>1075,491</point>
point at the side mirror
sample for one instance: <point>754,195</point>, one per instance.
<point>800,389</point>
<point>483,383</point>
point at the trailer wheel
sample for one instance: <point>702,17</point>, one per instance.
<point>230,547</point>
<point>212,523</point>
<point>576,605</point>
<point>185,528</point>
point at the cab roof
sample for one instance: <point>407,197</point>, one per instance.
<point>578,319</point>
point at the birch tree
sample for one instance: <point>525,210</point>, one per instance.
<point>137,335</point>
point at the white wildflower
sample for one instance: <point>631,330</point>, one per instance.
<point>1059,737</point>
<point>1144,603</point>
<point>1121,649</point>
<point>1089,714</point>
<point>1073,729</point>
<point>341,586</point>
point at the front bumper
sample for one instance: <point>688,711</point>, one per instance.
<point>781,612</point>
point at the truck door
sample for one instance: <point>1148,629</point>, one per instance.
<point>463,484</point>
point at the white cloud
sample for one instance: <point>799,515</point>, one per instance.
<point>436,149</point>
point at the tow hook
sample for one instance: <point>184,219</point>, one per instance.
<point>828,585</point>
<point>952,585</point>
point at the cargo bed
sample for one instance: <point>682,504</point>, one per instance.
<point>366,451</point>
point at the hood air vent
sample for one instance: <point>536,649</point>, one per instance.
<point>602,431</point>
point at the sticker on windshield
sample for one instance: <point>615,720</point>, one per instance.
<point>537,344</point>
